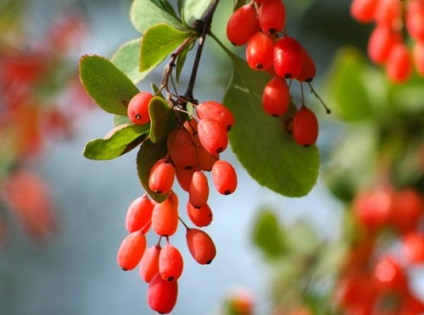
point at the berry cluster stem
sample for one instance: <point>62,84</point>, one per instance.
<point>205,25</point>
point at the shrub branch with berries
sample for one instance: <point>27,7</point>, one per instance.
<point>179,138</point>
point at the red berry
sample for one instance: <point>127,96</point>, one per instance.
<point>390,275</point>
<point>165,216</point>
<point>381,42</point>
<point>276,97</point>
<point>260,51</point>
<point>373,208</point>
<point>200,216</point>
<point>171,263</point>
<point>131,250</point>
<point>288,57</point>
<point>408,210</point>
<point>198,192</point>
<point>363,10</point>
<point>413,247</point>
<point>138,108</point>
<point>224,177</point>
<point>139,214</point>
<point>162,295</point>
<point>205,160</point>
<point>181,149</point>
<point>242,24</point>
<point>305,127</point>
<point>308,70</point>
<point>388,12</point>
<point>399,64</point>
<point>215,111</point>
<point>184,177</point>
<point>149,264</point>
<point>415,19</point>
<point>272,16</point>
<point>162,176</point>
<point>212,135</point>
<point>201,246</point>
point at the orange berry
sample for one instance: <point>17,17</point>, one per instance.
<point>149,264</point>
<point>201,246</point>
<point>181,149</point>
<point>224,177</point>
<point>215,111</point>
<point>139,214</point>
<point>162,295</point>
<point>200,216</point>
<point>198,191</point>
<point>213,136</point>
<point>165,216</point>
<point>171,263</point>
<point>162,176</point>
<point>138,108</point>
<point>131,250</point>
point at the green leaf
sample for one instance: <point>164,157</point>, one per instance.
<point>267,234</point>
<point>147,13</point>
<point>121,120</point>
<point>147,156</point>
<point>127,59</point>
<point>194,9</point>
<point>117,142</point>
<point>106,84</point>
<point>269,154</point>
<point>348,86</point>
<point>158,42</point>
<point>162,119</point>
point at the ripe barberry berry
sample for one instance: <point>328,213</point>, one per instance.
<point>242,24</point>
<point>138,108</point>
<point>184,177</point>
<point>200,217</point>
<point>205,160</point>
<point>165,216</point>
<point>200,245</point>
<point>260,51</point>
<point>363,10</point>
<point>308,70</point>
<point>418,57</point>
<point>276,97</point>
<point>181,149</point>
<point>139,214</point>
<point>212,135</point>
<point>171,263</point>
<point>272,16</point>
<point>149,264</point>
<point>288,57</point>
<point>198,192</point>
<point>399,64</point>
<point>224,177</point>
<point>162,295</point>
<point>305,127</point>
<point>162,176</point>
<point>215,111</point>
<point>131,250</point>
<point>381,43</point>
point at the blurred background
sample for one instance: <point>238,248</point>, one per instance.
<point>62,216</point>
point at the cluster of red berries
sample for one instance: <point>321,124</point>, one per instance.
<point>373,280</point>
<point>193,148</point>
<point>397,41</point>
<point>260,25</point>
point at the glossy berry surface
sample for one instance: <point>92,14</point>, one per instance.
<point>138,108</point>
<point>305,127</point>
